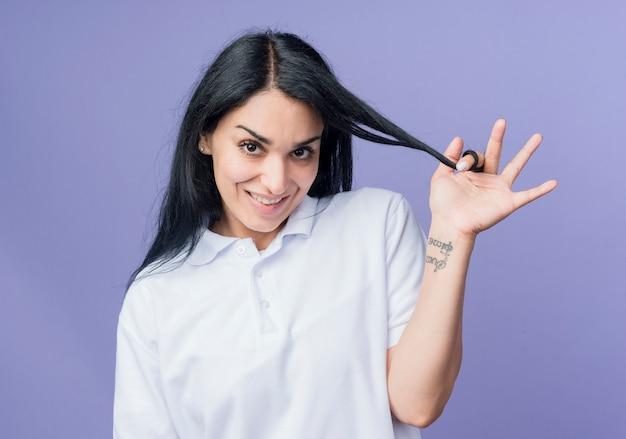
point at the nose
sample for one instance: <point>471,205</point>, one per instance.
<point>274,175</point>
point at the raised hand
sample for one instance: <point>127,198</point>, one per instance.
<point>472,202</point>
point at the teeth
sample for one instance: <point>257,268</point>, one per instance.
<point>263,200</point>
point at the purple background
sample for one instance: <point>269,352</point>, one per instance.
<point>91,95</point>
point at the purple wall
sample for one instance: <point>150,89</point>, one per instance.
<point>89,102</point>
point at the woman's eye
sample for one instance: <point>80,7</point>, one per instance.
<point>308,150</point>
<point>247,144</point>
<point>249,147</point>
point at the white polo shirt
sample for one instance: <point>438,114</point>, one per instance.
<point>290,343</point>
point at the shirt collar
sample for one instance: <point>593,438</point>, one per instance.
<point>300,221</point>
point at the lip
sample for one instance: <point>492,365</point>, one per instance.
<point>268,210</point>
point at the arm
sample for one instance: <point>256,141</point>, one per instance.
<point>425,363</point>
<point>463,204</point>
<point>139,408</point>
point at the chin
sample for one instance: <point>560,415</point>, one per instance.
<point>266,226</point>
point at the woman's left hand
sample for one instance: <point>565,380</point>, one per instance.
<point>471,202</point>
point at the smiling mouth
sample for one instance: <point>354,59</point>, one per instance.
<point>259,198</point>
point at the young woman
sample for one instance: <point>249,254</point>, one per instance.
<point>276,302</point>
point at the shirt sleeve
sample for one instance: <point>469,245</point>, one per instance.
<point>405,256</point>
<point>139,408</point>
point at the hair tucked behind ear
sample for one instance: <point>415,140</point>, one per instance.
<point>252,63</point>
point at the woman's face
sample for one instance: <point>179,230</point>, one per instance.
<point>270,147</point>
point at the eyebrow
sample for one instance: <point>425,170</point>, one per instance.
<point>269,142</point>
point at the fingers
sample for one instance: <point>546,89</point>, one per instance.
<point>494,147</point>
<point>515,166</point>
<point>453,152</point>
<point>524,197</point>
<point>491,158</point>
<point>467,161</point>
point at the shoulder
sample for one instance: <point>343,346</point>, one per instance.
<point>362,215</point>
<point>367,208</point>
<point>370,200</point>
<point>156,277</point>
<point>372,208</point>
<point>136,302</point>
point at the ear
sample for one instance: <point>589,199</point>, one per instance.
<point>204,144</point>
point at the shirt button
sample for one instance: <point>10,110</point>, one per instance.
<point>241,250</point>
<point>265,304</point>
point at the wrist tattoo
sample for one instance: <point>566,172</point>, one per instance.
<point>444,249</point>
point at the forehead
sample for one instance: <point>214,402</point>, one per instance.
<point>274,114</point>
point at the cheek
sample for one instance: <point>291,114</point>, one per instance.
<point>313,170</point>
<point>304,175</point>
<point>234,171</point>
